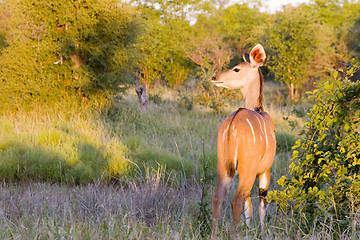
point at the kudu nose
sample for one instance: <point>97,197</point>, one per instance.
<point>213,78</point>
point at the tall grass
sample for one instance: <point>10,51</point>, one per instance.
<point>117,174</point>
<point>149,209</point>
<point>158,207</point>
<point>78,146</point>
<point>71,147</point>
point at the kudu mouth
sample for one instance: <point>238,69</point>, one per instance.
<point>217,83</point>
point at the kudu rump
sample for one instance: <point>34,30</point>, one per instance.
<point>246,140</point>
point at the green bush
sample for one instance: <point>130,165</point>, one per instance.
<point>65,50</point>
<point>324,180</point>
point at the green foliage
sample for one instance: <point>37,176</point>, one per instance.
<point>306,40</point>
<point>323,178</point>
<point>96,44</point>
<point>335,34</point>
<point>239,26</point>
<point>337,13</point>
<point>162,45</point>
<point>291,45</point>
<point>354,36</point>
<point>61,50</point>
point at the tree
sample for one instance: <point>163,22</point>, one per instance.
<point>167,27</point>
<point>291,41</point>
<point>215,43</point>
<point>3,25</point>
<point>212,55</point>
<point>308,40</point>
<point>239,25</point>
<point>335,21</point>
<point>61,49</point>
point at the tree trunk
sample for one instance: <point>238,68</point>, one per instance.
<point>292,92</point>
<point>141,93</point>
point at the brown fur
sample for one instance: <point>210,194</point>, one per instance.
<point>246,142</point>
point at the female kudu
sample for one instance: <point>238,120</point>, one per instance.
<point>246,140</point>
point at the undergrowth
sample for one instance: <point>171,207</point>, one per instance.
<point>117,174</point>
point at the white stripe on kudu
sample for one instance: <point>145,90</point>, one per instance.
<point>252,130</point>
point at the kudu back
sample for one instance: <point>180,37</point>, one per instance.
<point>246,141</point>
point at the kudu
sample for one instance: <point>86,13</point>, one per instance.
<point>246,140</point>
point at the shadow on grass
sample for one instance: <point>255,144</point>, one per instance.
<point>21,162</point>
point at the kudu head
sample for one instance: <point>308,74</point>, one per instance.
<point>242,74</point>
<point>246,76</point>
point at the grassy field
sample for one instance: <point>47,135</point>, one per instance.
<point>117,174</point>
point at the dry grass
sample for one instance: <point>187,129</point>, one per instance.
<point>150,209</point>
<point>157,207</point>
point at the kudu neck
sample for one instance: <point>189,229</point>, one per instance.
<point>253,93</point>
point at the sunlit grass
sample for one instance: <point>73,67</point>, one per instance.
<point>54,147</point>
<point>117,174</point>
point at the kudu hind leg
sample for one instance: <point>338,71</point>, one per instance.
<point>248,210</point>
<point>242,201</point>
<point>221,189</point>
<point>264,180</point>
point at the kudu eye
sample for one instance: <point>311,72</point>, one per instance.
<point>236,69</point>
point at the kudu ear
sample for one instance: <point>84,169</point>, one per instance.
<point>245,55</point>
<point>257,56</point>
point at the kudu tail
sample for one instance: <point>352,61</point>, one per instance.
<point>230,146</point>
<point>230,157</point>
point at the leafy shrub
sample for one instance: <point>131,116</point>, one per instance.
<point>185,100</point>
<point>60,50</point>
<point>324,180</point>
<point>155,98</point>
